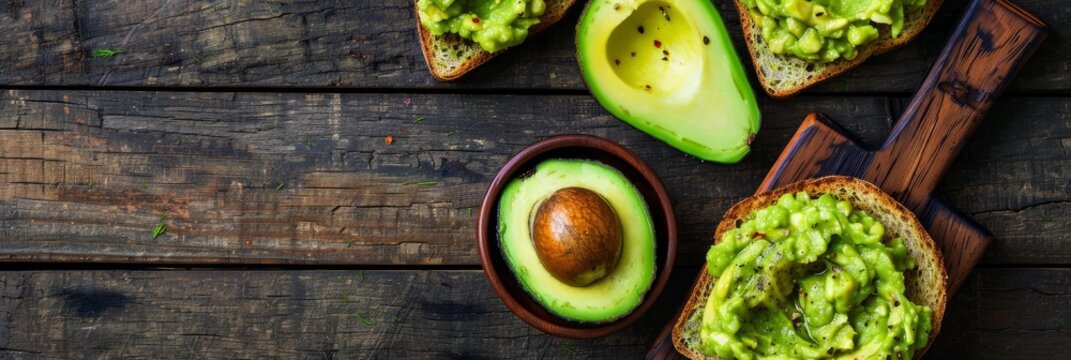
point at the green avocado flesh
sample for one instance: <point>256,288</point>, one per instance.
<point>606,299</point>
<point>669,69</point>
<point>494,24</point>
<point>825,30</point>
<point>811,278</point>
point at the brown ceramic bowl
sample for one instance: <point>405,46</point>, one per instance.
<point>575,147</point>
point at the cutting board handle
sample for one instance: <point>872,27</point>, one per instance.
<point>990,44</point>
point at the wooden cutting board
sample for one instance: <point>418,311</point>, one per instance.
<point>987,48</point>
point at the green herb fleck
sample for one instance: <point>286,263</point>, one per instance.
<point>196,59</point>
<point>397,319</point>
<point>451,133</point>
<point>568,348</point>
<point>423,183</point>
<point>160,228</point>
<point>345,298</point>
<point>360,276</point>
<point>178,142</point>
<point>308,144</point>
<point>349,244</point>
<point>89,184</point>
<point>470,211</point>
<point>105,53</point>
<point>365,320</point>
<point>145,185</point>
<point>280,186</point>
<point>418,119</point>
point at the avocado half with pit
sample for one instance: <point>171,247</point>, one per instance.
<point>580,239</point>
<point>669,69</point>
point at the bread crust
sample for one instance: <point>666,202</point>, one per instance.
<point>752,36</point>
<point>556,9</point>
<point>926,284</point>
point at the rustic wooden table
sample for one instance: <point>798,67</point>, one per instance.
<point>295,230</point>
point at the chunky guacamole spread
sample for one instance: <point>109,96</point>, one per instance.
<point>494,24</point>
<point>811,278</point>
<point>826,30</point>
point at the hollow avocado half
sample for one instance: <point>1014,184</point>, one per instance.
<point>669,69</point>
<point>608,298</point>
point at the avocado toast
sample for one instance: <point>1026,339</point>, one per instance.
<point>925,284</point>
<point>783,76</point>
<point>450,56</point>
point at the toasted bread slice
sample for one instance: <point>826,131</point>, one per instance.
<point>925,285</point>
<point>783,76</point>
<point>449,56</point>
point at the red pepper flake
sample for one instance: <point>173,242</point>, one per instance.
<point>476,20</point>
<point>657,44</point>
<point>389,139</point>
<point>407,101</point>
<point>760,235</point>
<point>617,62</point>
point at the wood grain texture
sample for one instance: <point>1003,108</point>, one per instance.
<point>85,175</point>
<point>991,43</point>
<point>986,52</point>
<point>1000,313</point>
<point>996,306</point>
<point>102,167</point>
<point>368,44</point>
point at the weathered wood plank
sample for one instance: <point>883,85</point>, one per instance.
<point>367,44</point>
<point>1000,313</point>
<point>85,176</point>
<point>1013,177</point>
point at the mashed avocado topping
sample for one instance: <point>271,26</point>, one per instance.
<point>811,278</point>
<point>826,30</point>
<point>494,24</point>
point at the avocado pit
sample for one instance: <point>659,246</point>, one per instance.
<point>577,236</point>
